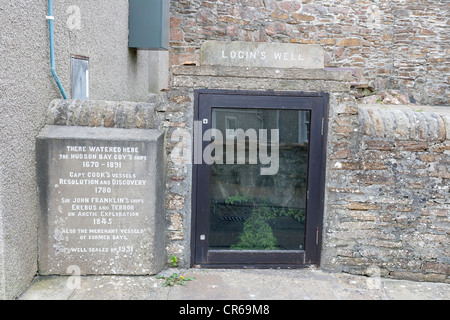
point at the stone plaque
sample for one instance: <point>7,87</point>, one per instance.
<point>102,199</point>
<point>265,55</point>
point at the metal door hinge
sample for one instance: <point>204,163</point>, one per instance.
<point>317,236</point>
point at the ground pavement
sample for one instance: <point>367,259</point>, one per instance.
<point>245,284</point>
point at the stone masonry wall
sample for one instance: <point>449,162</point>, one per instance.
<point>388,197</point>
<point>399,44</point>
<point>176,112</point>
<point>387,203</point>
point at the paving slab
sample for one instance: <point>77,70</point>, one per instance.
<point>221,284</point>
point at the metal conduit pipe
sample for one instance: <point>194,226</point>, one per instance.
<point>50,19</point>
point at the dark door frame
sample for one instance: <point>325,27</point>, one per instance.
<point>200,254</point>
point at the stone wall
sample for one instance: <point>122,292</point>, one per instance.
<point>387,188</point>
<point>387,44</point>
<point>388,203</point>
<point>176,113</point>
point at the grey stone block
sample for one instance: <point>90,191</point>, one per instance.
<point>238,78</point>
<point>403,124</point>
<point>254,54</point>
<point>99,113</point>
<point>265,73</point>
<point>102,201</point>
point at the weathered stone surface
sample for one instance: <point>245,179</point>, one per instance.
<point>259,84</point>
<point>391,45</point>
<point>394,97</point>
<point>270,73</point>
<point>388,203</point>
<point>228,284</point>
<point>254,54</point>
<point>446,120</point>
<point>386,186</point>
<point>98,113</point>
<point>102,201</point>
<point>383,183</point>
<point>349,42</point>
<point>213,77</point>
<point>403,124</point>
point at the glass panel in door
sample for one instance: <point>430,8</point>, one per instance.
<point>258,183</point>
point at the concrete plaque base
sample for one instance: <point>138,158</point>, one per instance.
<point>102,200</point>
<point>263,55</point>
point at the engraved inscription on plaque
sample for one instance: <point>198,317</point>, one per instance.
<point>100,197</point>
<point>100,185</point>
<point>263,55</point>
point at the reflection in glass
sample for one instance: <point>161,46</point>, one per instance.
<point>249,210</point>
